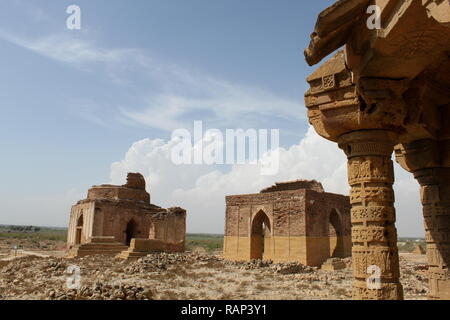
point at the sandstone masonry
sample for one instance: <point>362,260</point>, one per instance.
<point>293,221</point>
<point>112,216</point>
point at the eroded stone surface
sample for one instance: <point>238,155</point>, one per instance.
<point>292,221</point>
<point>394,80</point>
<point>111,216</point>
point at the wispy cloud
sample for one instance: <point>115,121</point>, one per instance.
<point>76,51</point>
<point>72,50</point>
<point>186,95</point>
<point>175,96</point>
<point>226,109</point>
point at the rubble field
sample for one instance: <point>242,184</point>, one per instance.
<point>191,276</point>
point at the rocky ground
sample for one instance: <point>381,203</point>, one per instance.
<point>189,276</point>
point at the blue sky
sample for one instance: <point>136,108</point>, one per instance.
<point>73,102</point>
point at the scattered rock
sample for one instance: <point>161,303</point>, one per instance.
<point>186,276</point>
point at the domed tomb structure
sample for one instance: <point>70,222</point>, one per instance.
<point>112,216</point>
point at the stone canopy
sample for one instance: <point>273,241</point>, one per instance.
<point>387,89</point>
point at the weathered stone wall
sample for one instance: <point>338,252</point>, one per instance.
<point>118,193</point>
<point>125,213</point>
<point>287,238</point>
<point>87,211</point>
<point>168,228</point>
<point>154,245</point>
<point>323,239</point>
<point>283,210</point>
<point>135,181</point>
<point>113,217</point>
<point>277,205</point>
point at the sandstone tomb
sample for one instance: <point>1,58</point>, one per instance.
<point>116,219</point>
<point>289,222</point>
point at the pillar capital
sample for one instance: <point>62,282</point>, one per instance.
<point>419,154</point>
<point>432,176</point>
<point>339,104</point>
<point>368,143</point>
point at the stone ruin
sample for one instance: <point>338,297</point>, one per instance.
<point>388,89</point>
<point>295,185</point>
<point>289,222</point>
<point>121,219</point>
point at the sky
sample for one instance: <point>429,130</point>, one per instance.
<point>84,107</point>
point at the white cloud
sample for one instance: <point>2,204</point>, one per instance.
<point>202,189</point>
<point>74,50</point>
<point>86,55</point>
<point>70,49</point>
<point>222,102</point>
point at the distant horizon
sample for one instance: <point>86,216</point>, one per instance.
<point>187,233</point>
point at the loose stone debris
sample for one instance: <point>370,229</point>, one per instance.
<point>188,275</point>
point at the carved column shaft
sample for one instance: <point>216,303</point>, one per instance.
<point>374,236</point>
<point>435,196</point>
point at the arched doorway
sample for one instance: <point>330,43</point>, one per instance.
<point>79,229</point>
<point>335,235</point>
<point>260,230</point>
<point>131,231</point>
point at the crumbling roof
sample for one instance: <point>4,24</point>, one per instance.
<point>174,211</point>
<point>333,27</point>
<point>295,185</point>
<point>135,181</point>
<point>134,189</point>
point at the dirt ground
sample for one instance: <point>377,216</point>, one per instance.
<point>191,276</point>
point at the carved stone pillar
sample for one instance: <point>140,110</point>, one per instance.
<point>385,82</point>
<point>435,196</point>
<point>429,160</point>
<point>374,236</point>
